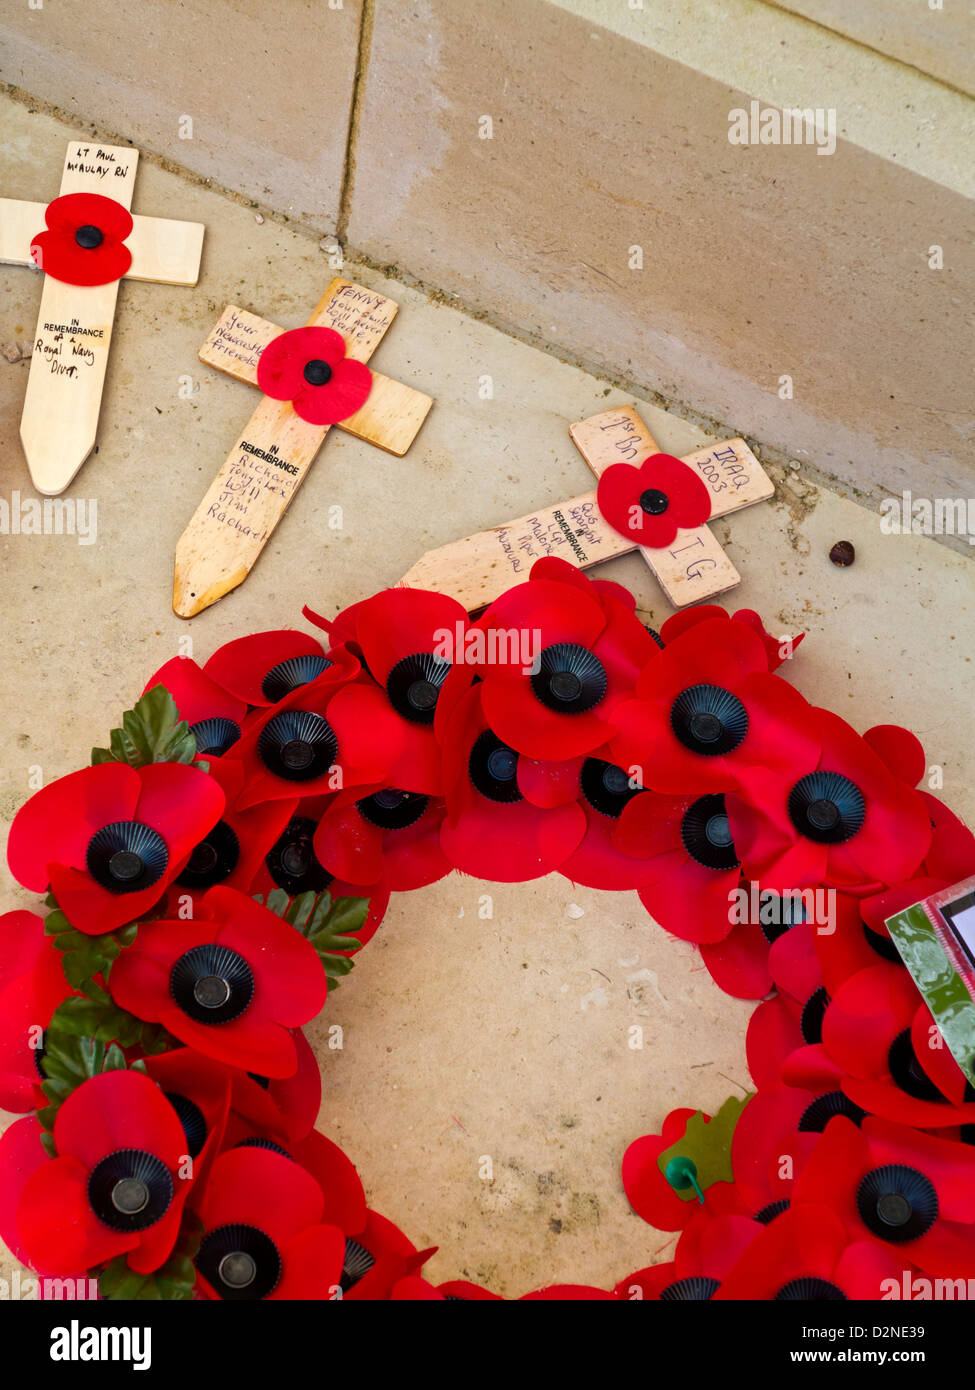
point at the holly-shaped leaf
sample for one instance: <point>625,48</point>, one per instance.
<point>703,1155</point>
<point>326,923</point>
<point>85,1039</point>
<point>152,732</point>
<point>84,957</point>
<point>171,1282</point>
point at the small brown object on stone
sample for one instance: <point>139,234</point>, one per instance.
<point>843,553</point>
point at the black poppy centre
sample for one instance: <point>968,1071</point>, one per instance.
<point>130,1190</point>
<point>213,859</point>
<point>493,768</point>
<point>192,1119</point>
<point>654,502</point>
<point>826,807</point>
<point>211,984</point>
<point>317,372</point>
<point>239,1262</point>
<point>709,720</point>
<point>292,862</point>
<point>89,237</point>
<point>897,1203</point>
<point>297,745</point>
<point>706,834</point>
<point>606,787</point>
<point>215,736</point>
<point>413,686</point>
<point>392,809</point>
<point>570,679</point>
<point>126,856</point>
<point>290,675</point>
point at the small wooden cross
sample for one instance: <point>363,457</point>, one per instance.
<point>74,326</point>
<point>477,569</point>
<point>272,456</point>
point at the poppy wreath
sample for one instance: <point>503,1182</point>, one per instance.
<point>218,867</point>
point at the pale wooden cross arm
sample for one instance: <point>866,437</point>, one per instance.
<point>391,417</point>
<point>481,567</point>
<point>164,251</point>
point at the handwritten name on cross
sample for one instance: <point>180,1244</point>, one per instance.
<point>477,569</point>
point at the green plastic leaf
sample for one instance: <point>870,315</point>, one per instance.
<point>705,1146</point>
<point>84,1039</point>
<point>326,923</point>
<point>82,956</point>
<point>152,732</point>
<point>171,1282</point>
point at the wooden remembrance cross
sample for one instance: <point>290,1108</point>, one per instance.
<point>693,567</point>
<point>272,456</point>
<point>74,326</point>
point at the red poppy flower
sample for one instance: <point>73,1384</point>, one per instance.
<point>110,839</point>
<point>309,367</point>
<point>650,504</point>
<point>387,836</point>
<point>377,1258</point>
<point>31,987</point>
<point>912,1193</point>
<point>342,1192</point>
<point>117,1185</point>
<point>199,1090</point>
<point>951,855</point>
<point>893,1057</point>
<point>901,751</point>
<point>264,1236</point>
<point>707,1251</point>
<point>293,867</point>
<point>335,732</point>
<point>214,715</point>
<point>264,667</point>
<point>21,1154</point>
<point>773,1034</point>
<point>230,983</point>
<point>604,790</point>
<point>408,640</point>
<point>806,1255</point>
<point>491,830</point>
<point>283,1107</point>
<point>234,849</point>
<point>647,1190</point>
<point>83,244</point>
<point>777,649</point>
<point>556,656</point>
<point>859,939</point>
<point>738,965</point>
<point>838,818</point>
<point>691,864</point>
<point>775,1135</point>
<point>874,910</point>
<point>707,714</point>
